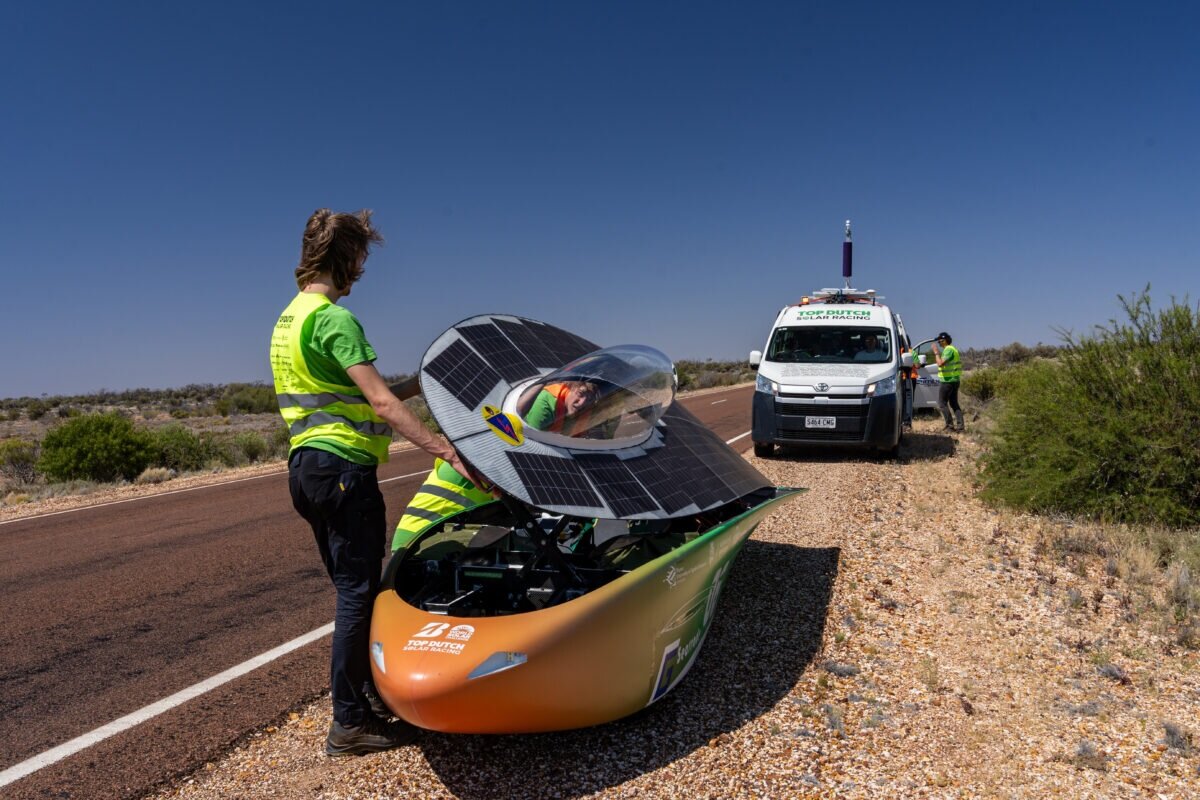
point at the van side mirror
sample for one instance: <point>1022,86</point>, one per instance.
<point>755,358</point>
<point>922,360</point>
<point>906,360</point>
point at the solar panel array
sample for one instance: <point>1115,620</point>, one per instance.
<point>464,374</point>
<point>682,468</point>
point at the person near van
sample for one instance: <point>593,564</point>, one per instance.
<point>341,415</point>
<point>949,375</point>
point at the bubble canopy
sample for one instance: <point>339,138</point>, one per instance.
<point>608,398</point>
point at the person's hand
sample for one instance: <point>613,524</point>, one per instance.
<point>468,472</point>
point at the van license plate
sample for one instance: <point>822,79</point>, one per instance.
<point>820,422</point>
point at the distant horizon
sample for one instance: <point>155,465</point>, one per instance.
<point>397,373</point>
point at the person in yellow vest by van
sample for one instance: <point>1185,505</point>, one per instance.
<point>950,374</point>
<point>341,415</point>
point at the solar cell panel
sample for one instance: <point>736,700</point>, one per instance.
<point>498,351</point>
<point>617,485</point>
<point>553,481</point>
<point>464,374</point>
<point>528,343</point>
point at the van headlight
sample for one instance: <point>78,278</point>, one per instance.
<point>766,385</point>
<point>885,386</point>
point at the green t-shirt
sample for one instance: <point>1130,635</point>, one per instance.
<point>332,339</point>
<point>541,413</point>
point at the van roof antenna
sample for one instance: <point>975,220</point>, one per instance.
<point>847,256</point>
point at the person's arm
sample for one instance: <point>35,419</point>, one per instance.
<point>403,421</point>
<point>937,354</point>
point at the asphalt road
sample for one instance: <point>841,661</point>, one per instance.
<point>111,608</point>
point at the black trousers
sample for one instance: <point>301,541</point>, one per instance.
<point>342,502</point>
<point>948,399</point>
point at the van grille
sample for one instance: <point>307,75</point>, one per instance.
<point>813,410</point>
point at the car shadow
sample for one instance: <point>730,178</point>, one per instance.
<point>768,628</point>
<point>916,446</point>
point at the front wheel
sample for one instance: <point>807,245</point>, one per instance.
<point>764,449</point>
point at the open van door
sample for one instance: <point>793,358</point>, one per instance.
<point>926,393</point>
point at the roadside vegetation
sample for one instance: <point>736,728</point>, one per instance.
<point>1103,441</point>
<point>68,445</point>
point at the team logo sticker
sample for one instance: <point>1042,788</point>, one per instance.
<point>506,426</point>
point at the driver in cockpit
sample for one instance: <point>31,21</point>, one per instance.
<point>562,407</point>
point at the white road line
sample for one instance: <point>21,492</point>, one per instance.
<point>18,771</point>
<point>739,436</point>
<point>714,402</point>
<point>402,477</point>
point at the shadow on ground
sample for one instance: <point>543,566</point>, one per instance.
<point>917,446</point>
<point>767,631</point>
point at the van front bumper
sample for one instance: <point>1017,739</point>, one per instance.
<point>791,420</point>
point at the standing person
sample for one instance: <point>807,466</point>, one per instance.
<point>341,415</point>
<point>949,373</point>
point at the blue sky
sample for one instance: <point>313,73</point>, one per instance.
<point>661,173</point>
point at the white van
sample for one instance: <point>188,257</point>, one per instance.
<point>836,370</point>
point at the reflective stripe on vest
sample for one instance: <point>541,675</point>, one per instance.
<point>433,502</point>
<point>951,368</point>
<point>312,408</point>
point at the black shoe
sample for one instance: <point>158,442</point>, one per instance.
<point>372,736</point>
<point>378,708</point>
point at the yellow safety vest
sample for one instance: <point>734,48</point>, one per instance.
<point>314,410</point>
<point>950,370</point>
<point>444,494</point>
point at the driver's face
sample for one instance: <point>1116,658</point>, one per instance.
<point>578,398</point>
<point>870,342</point>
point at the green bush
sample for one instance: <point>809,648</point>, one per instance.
<point>36,409</point>
<point>1112,429</point>
<point>253,446</point>
<point>177,448</point>
<point>281,441</point>
<point>221,450</point>
<point>18,460</point>
<point>98,447</point>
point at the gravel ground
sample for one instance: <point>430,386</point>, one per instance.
<point>884,636</point>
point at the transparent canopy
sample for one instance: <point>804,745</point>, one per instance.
<point>616,395</point>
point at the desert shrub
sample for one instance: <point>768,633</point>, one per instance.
<point>18,460</point>
<point>981,384</point>
<point>252,445</point>
<point>247,398</point>
<point>221,451</point>
<point>99,447</point>
<point>281,441</point>
<point>36,409</point>
<point>1110,430</point>
<point>155,475</point>
<point>177,448</point>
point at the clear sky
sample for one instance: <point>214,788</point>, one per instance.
<point>667,174</point>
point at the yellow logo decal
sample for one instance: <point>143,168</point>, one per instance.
<point>506,426</point>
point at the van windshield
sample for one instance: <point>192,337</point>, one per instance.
<point>830,344</point>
